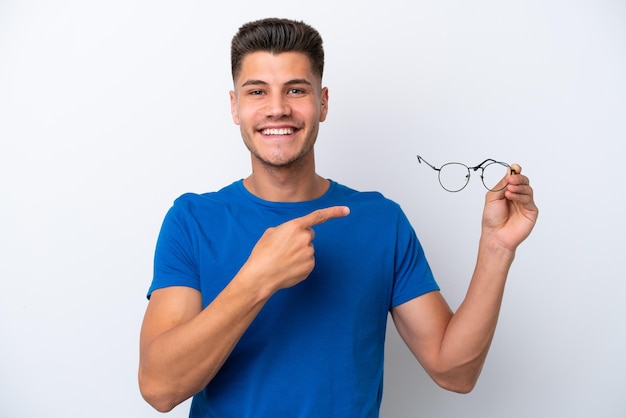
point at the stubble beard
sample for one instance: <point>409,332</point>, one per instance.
<point>297,162</point>
<point>294,163</point>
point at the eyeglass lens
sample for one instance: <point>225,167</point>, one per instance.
<point>454,176</point>
<point>492,174</point>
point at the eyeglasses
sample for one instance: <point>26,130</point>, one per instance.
<point>453,177</point>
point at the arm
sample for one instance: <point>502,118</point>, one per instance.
<point>182,346</point>
<point>452,347</point>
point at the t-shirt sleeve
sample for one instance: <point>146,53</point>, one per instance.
<point>174,260</point>
<point>413,276</point>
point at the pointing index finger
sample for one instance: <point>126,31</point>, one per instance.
<point>322,215</point>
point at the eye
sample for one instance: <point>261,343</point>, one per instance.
<point>256,92</point>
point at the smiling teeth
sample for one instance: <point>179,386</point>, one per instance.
<point>283,131</point>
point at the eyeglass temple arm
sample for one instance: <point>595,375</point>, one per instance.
<point>420,159</point>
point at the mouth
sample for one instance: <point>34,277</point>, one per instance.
<point>277,131</point>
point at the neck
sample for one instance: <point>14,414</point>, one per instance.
<point>285,184</point>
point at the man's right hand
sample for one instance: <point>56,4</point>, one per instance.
<point>284,255</point>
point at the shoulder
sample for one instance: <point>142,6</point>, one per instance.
<point>374,200</point>
<point>199,201</point>
<point>203,208</point>
<point>371,208</point>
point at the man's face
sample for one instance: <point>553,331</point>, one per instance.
<point>278,104</point>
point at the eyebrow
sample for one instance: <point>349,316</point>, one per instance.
<point>295,81</point>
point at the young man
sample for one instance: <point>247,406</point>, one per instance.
<point>270,297</point>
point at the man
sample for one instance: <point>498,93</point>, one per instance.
<point>270,297</point>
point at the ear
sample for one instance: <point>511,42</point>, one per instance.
<point>233,107</point>
<point>324,104</point>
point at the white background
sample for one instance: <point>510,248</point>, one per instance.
<point>109,110</point>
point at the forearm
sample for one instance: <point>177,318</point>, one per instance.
<point>470,331</point>
<point>180,362</point>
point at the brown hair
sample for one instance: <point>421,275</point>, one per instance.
<point>277,35</point>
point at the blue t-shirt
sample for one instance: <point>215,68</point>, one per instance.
<point>315,349</point>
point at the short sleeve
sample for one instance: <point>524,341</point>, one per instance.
<point>174,260</point>
<point>413,276</point>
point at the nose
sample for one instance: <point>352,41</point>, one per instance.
<point>277,106</point>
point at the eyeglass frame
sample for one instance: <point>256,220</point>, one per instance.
<point>480,166</point>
